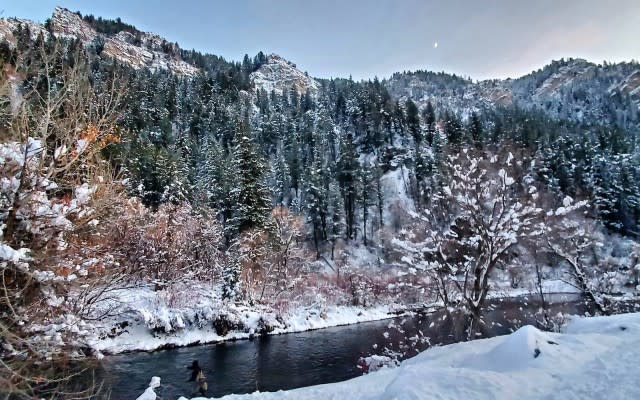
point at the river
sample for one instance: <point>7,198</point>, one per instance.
<point>294,360</point>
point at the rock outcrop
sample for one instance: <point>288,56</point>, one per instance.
<point>280,75</point>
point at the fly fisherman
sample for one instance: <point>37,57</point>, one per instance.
<point>198,377</point>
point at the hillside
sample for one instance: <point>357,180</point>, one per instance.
<point>572,89</point>
<point>132,47</point>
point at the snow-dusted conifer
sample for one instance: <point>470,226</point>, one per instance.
<point>252,196</point>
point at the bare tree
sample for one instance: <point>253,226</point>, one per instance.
<point>275,262</point>
<point>54,128</point>
<point>488,208</point>
<point>571,237</point>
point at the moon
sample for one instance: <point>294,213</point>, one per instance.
<point>435,45</point>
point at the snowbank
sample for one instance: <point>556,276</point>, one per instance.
<point>595,358</point>
<point>143,319</point>
<point>149,393</point>
<point>146,320</point>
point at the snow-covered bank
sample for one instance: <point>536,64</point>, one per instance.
<point>146,320</point>
<point>143,319</point>
<point>139,337</point>
<point>594,358</point>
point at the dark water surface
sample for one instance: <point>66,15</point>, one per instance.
<point>294,360</point>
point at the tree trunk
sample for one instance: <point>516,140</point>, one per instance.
<point>12,216</point>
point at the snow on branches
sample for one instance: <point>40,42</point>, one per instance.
<point>494,210</point>
<point>53,185</point>
<point>477,222</point>
<point>274,262</point>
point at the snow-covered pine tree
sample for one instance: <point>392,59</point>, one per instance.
<point>281,179</point>
<point>231,270</point>
<point>476,130</point>
<point>453,129</point>
<point>336,223</point>
<point>429,118</point>
<point>347,176</point>
<point>316,198</point>
<point>413,122</point>
<point>251,195</point>
<point>367,196</point>
<point>215,180</point>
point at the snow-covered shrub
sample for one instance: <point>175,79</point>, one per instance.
<point>54,191</point>
<point>375,362</point>
<point>321,289</point>
<point>366,287</point>
<point>178,242</point>
<point>174,244</point>
<point>176,295</point>
<point>274,263</point>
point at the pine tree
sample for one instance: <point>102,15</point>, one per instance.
<point>216,179</point>
<point>251,195</point>
<point>336,224</point>
<point>453,129</point>
<point>378,173</point>
<point>413,122</point>
<point>429,117</point>
<point>347,175</point>
<point>421,171</point>
<point>367,196</point>
<point>293,156</point>
<point>316,199</point>
<point>282,177</point>
<point>231,277</point>
<point>476,130</point>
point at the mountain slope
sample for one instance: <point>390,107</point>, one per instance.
<point>574,89</point>
<point>185,105</point>
<point>136,49</point>
<point>279,75</point>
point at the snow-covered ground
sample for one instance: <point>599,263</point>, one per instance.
<point>594,358</point>
<point>144,319</point>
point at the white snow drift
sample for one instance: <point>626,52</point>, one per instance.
<point>595,358</point>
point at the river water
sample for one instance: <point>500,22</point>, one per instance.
<point>294,360</point>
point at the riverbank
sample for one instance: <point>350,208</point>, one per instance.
<point>593,358</point>
<point>144,319</point>
<point>147,320</point>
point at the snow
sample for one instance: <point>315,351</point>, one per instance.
<point>186,313</point>
<point>395,186</point>
<point>141,57</point>
<point>156,319</point>
<point>7,253</point>
<point>549,286</point>
<point>594,358</point>
<point>68,24</point>
<point>279,75</point>
<point>9,25</point>
<point>361,256</point>
<point>149,393</point>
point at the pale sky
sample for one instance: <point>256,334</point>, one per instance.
<point>367,38</point>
